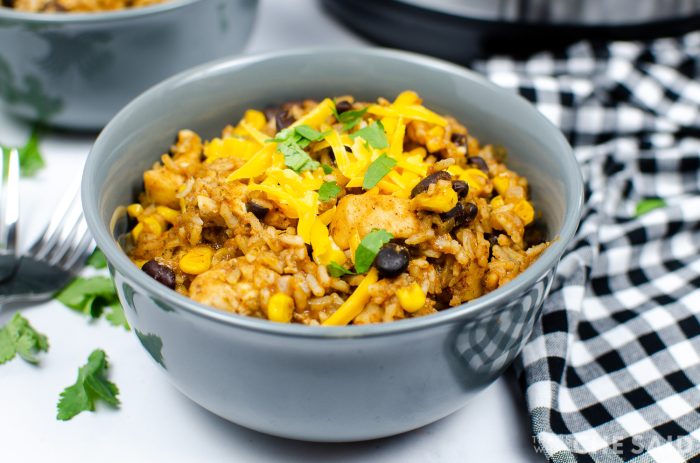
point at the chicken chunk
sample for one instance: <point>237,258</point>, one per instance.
<point>162,186</point>
<point>364,213</point>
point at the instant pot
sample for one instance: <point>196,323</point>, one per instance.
<point>461,30</point>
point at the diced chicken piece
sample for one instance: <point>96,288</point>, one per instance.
<point>364,213</point>
<point>187,152</point>
<point>162,186</point>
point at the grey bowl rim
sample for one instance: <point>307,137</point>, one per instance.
<point>83,18</point>
<point>121,264</point>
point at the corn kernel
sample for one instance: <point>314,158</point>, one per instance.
<point>134,210</point>
<point>476,179</point>
<point>197,260</point>
<point>501,184</point>
<point>170,215</point>
<point>525,211</point>
<point>411,298</point>
<point>442,201</point>
<point>255,118</point>
<point>139,262</point>
<point>152,225</point>
<point>280,308</point>
<point>407,97</point>
<point>435,141</point>
<point>136,232</point>
<point>497,202</point>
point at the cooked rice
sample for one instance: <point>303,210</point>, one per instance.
<point>250,260</point>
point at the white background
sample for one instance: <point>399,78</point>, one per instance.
<point>156,422</point>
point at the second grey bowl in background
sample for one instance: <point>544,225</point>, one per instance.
<point>76,70</point>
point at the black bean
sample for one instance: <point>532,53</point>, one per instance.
<point>459,139</point>
<point>470,212</point>
<point>160,273</point>
<point>258,210</point>
<point>343,106</point>
<point>461,188</point>
<point>392,260</point>
<point>461,214</point>
<point>479,163</point>
<point>424,184</point>
<point>271,112</point>
<point>283,120</point>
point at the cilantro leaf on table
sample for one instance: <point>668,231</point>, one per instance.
<point>648,205</point>
<point>328,191</point>
<point>350,118</point>
<point>93,297</point>
<point>336,270</point>
<point>91,386</point>
<point>369,247</point>
<point>30,158</point>
<point>97,259</point>
<point>377,170</point>
<point>19,337</point>
<point>373,134</point>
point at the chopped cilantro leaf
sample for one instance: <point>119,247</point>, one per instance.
<point>327,169</point>
<point>310,133</point>
<point>373,134</point>
<point>647,205</point>
<point>295,157</point>
<point>336,270</point>
<point>93,297</point>
<point>90,386</point>
<point>369,247</point>
<point>328,191</point>
<point>377,170</point>
<point>19,337</point>
<point>97,259</point>
<point>30,159</point>
<point>349,119</point>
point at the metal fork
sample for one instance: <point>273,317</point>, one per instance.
<point>9,213</point>
<point>54,258</point>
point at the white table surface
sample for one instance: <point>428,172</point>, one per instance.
<point>156,422</point>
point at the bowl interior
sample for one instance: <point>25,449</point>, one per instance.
<point>212,96</point>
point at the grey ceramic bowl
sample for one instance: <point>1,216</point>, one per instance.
<point>76,71</point>
<point>329,383</point>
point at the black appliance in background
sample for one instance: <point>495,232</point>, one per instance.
<point>462,30</point>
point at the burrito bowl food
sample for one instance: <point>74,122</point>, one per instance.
<point>75,6</point>
<point>334,212</point>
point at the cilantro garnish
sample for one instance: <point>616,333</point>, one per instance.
<point>349,119</point>
<point>373,134</point>
<point>97,259</point>
<point>336,270</point>
<point>19,337</point>
<point>377,170</point>
<point>647,205</point>
<point>310,133</point>
<point>93,297</point>
<point>291,143</point>
<point>369,247</point>
<point>328,191</point>
<point>30,159</point>
<point>295,157</point>
<point>327,169</point>
<point>91,385</point>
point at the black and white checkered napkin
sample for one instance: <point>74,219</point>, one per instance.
<point>612,372</point>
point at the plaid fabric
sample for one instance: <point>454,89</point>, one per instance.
<point>612,371</point>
